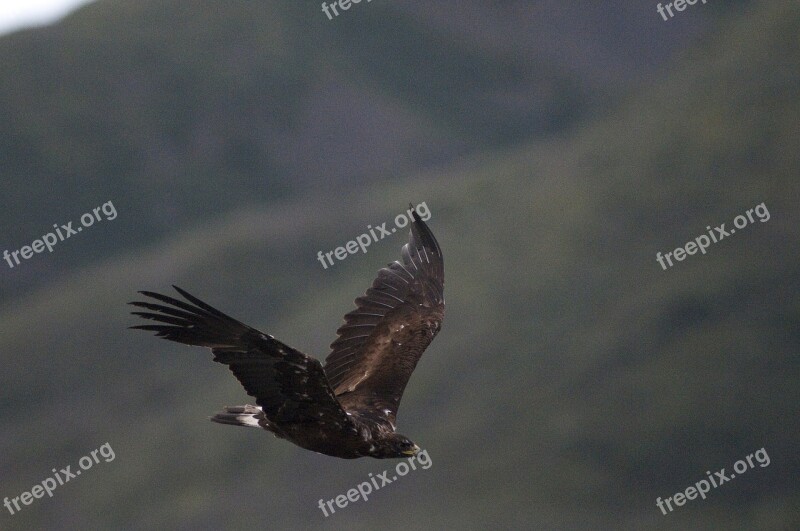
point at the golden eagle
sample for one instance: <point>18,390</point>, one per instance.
<point>346,408</point>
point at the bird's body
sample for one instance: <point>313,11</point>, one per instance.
<point>356,441</point>
<point>348,407</point>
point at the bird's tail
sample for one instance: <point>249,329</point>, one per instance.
<point>248,416</point>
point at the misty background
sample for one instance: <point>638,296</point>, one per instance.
<point>558,148</point>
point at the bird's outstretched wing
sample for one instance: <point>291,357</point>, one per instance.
<point>289,386</point>
<point>382,340</point>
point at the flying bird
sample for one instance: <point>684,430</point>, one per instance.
<point>348,407</point>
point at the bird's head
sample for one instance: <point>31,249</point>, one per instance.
<point>395,445</point>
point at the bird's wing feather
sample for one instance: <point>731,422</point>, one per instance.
<point>290,386</point>
<point>382,340</point>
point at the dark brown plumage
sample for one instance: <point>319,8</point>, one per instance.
<point>348,407</point>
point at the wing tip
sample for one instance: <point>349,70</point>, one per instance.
<point>422,234</point>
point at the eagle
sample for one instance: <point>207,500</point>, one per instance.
<point>348,407</point>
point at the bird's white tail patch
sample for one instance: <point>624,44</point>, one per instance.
<point>247,416</point>
<point>248,420</point>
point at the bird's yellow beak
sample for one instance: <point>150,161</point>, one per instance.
<point>413,451</point>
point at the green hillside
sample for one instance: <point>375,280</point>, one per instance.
<point>138,102</point>
<point>574,380</point>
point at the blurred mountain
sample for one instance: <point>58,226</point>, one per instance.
<point>574,380</point>
<point>138,102</point>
